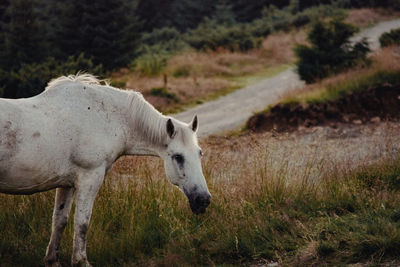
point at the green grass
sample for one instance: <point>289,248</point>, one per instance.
<point>345,217</point>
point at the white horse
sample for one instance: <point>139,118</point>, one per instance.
<point>69,136</point>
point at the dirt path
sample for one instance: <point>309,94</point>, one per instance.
<point>373,33</point>
<point>232,111</point>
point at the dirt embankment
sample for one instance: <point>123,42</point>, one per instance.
<point>374,105</point>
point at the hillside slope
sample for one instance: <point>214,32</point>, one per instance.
<point>232,111</point>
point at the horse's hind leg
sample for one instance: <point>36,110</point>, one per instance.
<point>62,207</point>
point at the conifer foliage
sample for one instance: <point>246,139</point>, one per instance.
<point>106,31</point>
<point>330,50</point>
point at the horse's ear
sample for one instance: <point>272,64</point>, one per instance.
<point>195,124</point>
<point>170,128</point>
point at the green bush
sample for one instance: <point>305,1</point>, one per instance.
<point>210,36</point>
<point>163,92</point>
<point>167,39</point>
<point>31,79</point>
<point>330,50</point>
<point>274,19</point>
<point>157,47</point>
<point>182,71</point>
<point>151,62</point>
<point>390,38</point>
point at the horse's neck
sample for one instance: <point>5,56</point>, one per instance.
<point>148,127</point>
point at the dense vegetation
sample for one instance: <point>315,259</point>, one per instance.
<point>330,51</point>
<point>36,35</point>
<point>390,38</point>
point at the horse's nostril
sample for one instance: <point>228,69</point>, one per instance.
<point>202,201</point>
<point>198,200</point>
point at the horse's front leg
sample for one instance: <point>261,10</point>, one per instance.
<point>87,186</point>
<point>62,207</point>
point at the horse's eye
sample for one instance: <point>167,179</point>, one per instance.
<point>178,158</point>
<point>201,153</point>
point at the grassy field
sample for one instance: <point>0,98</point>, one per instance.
<point>324,209</point>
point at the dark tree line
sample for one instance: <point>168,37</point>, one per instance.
<point>41,39</point>
<point>36,33</point>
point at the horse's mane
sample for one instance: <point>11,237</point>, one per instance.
<point>149,121</point>
<point>84,78</point>
<point>146,119</point>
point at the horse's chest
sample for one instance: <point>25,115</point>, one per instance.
<point>94,150</point>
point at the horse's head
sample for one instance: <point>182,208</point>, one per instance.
<point>182,161</point>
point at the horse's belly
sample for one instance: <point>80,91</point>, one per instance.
<point>17,181</point>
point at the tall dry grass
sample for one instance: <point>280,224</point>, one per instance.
<point>285,199</point>
<point>365,17</point>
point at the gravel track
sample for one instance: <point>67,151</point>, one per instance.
<point>232,111</point>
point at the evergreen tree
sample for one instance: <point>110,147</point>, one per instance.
<point>248,10</point>
<point>107,32</point>
<point>188,14</point>
<point>22,36</point>
<point>155,13</point>
<point>22,41</point>
<point>223,14</point>
<point>294,6</point>
<point>49,20</point>
<point>330,50</point>
<point>4,20</point>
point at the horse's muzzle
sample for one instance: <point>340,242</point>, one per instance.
<point>199,202</point>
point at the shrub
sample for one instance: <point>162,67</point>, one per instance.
<point>157,47</point>
<point>330,50</point>
<point>152,62</point>
<point>274,19</point>
<point>163,92</point>
<point>390,38</point>
<point>209,35</point>
<point>167,39</point>
<point>182,71</point>
<point>31,79</point>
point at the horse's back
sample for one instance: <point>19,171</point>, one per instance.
<point>45,140</point>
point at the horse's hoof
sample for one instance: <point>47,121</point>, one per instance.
<point>52,264</point>
<point>82,264</point>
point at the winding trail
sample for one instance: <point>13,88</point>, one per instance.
<point>232,111</point>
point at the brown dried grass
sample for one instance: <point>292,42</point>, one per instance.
<point>278,47</point>
<point>365,17</point>
<point>187,89</point>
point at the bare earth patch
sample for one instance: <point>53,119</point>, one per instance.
<point>375,104</point>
